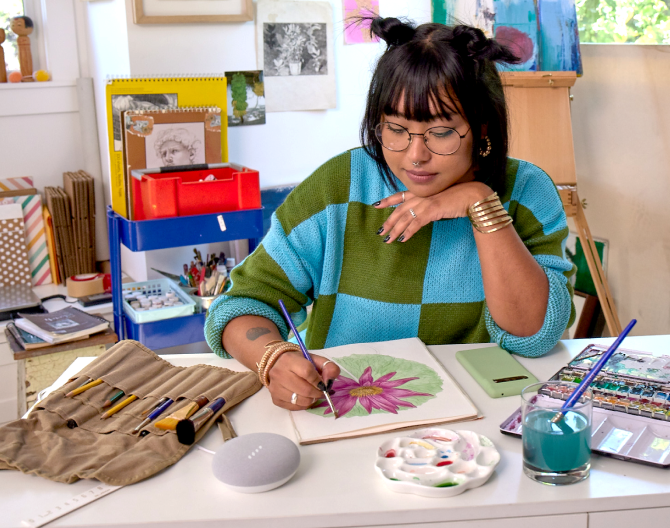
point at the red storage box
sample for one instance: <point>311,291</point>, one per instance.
<point>185,192</point>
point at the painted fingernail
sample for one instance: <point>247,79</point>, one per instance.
<point>401,238</point>
<point>381,230</point>
<point>388,237</point>
<point>321,386</point>
<point>376,204</point>
<point>330,384</point>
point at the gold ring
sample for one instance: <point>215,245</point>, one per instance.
<point>403,197</point>
<point>294,399</point>
<point>411,211</point>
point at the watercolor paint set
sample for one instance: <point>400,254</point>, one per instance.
<point>631,404</point>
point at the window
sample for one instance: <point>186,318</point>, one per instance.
<point>624,21</point>
<point>8,10</point>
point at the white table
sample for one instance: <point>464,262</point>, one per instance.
<point>337,486</point>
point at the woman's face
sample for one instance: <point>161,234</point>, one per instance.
<point>423,172</point>
<point>174,153</point>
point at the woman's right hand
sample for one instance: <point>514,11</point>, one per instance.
<point>293,374</point>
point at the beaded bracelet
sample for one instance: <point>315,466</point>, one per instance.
<point>277,350</point>
<point>489,212</point>
<point>260,366</point>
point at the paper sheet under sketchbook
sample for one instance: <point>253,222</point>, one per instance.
<point>382,387</point>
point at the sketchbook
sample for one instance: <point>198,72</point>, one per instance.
<point>167,138</point>
<point>385,386</point>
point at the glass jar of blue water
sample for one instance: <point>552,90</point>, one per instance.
<point>555,452</point>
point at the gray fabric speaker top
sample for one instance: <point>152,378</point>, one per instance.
<point>258,460</point>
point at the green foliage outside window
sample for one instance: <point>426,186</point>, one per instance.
<point>624,21</point>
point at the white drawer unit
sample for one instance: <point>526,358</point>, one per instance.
<point>9,405</point>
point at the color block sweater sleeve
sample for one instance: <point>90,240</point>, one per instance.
<point>540,221</point>
<point>288,264</point>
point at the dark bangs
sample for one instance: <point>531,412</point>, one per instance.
<point>420,89</point>
<point>432,70</point>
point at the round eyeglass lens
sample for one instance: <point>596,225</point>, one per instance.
<point>442,140</point>
<point>392,136</point>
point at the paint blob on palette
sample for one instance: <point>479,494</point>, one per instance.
<point>631,404</point>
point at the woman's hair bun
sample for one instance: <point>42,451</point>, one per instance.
<point>473,42</point>
<point>392,30</point>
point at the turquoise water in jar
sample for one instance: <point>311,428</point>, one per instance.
<point>556,447</point>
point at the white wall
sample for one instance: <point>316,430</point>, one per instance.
<point>621,126</point>
<point>39,124</point>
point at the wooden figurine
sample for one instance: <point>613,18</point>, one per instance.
<point>3,68</point>
<point>23,26</point>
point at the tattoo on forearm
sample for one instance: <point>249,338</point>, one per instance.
<point>255,333</point>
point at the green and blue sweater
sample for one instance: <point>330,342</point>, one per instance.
<point>322,250</point>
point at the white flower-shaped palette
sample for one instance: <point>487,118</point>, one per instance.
<point>436,462</point>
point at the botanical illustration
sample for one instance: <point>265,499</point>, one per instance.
<point>295,49</point>
<point>246,98</point>
<point>372,384</point>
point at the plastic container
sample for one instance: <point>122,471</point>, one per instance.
<point>157,287</point>
<point>185,193</point>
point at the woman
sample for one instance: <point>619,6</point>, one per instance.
<point>406,237</point>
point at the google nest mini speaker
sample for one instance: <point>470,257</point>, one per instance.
<point>256,462</point>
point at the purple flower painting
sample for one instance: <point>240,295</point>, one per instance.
<point>383,394</point>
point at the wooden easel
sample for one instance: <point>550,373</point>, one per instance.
<point>541,132</point>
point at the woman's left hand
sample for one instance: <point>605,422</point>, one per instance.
<point>453,202</point>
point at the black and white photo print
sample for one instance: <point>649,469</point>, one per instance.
<point>295,49</point>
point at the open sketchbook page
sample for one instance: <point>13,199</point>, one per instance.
<point>383,386</point>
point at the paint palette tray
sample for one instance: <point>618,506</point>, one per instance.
<point>436,462</point>
<point>631,404</point>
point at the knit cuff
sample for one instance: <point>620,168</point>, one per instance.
<point>556,319</point>
<point>226,308</point>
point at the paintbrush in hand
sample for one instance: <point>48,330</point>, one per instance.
<point>303,348</point>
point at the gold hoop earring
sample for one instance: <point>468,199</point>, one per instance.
<point>485,152</point>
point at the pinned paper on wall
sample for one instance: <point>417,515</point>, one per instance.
<point>542,33</point>
<point>355,31</point>
<point>246,98</point>
<point>295,51</point>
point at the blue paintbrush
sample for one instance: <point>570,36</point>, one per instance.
<point>303,348</point>
<point>581,388</point>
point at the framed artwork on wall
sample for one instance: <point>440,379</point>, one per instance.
<point>191,11</point>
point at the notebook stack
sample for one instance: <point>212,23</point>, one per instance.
<point>69,324</point>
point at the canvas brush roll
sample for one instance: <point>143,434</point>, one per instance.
<point>64,439</point>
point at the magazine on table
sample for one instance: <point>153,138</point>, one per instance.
<point>63,325</point>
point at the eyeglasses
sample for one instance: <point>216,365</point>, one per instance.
<point>442,141</point>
